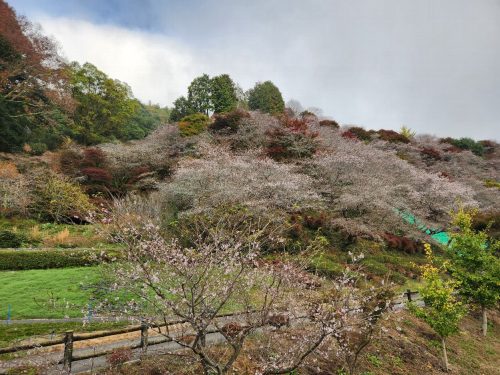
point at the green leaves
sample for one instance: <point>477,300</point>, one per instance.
<point>106,108</point>
<point>207,94</point>
<point>474,263</point>
<point>443,310</point>
<point>199,94</point>
<point>266,97</point>
<point>223,92</point>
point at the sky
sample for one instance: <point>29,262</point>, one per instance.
<point>431,65</point>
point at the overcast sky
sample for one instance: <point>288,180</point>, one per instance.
<point>432,65</point>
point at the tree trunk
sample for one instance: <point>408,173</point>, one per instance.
<point>485,320</point>
<point>445,355</point>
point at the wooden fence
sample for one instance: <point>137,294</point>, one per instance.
<point>70,338</point>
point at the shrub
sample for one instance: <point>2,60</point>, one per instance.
<point>98,175</point>
<point>37,148</point>
<point>350,135</point>
<point>93,157</point>
<point>361,133</point>
<point>291,139</point>
<point>228,122</point>
<point>466,144</point>
<point>70,161</point>
<point>330,123</point>
<point>193,124</point>
<point>430,153</point>
<point>392,136</point>
<point>57,199</point>
<point>489,146</point>
<point>9,239</point>
<point>492,184</point>
<point>15,260</point>
<point>407,132</point>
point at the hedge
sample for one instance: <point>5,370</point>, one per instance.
<point>15,260</point>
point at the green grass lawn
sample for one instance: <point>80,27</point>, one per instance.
<point>52,293</point>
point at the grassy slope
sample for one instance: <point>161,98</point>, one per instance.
<point>29,292</point>
<point>409,346</point>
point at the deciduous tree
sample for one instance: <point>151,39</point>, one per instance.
<point>442,310</point>
<point>475,265</point>
<point>200,94</point>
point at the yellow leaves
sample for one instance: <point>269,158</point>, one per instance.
<point>428,249</point>
<point>463,218</point>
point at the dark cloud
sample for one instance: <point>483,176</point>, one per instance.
<point>431,65</point>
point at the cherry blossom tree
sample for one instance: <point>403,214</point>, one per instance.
<point>369,188</point>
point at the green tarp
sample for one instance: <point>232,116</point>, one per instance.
<point>442,237</point>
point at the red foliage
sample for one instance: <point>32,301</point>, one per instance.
<point>361,134</point>
<point>93,157</point>
<point>392,136</point>
<point>453,149</point>
<point>292,138</point>
<point>97,175</point>
<point>350,135</point>
<point>402,243</point>
<point>11,29</point>
<point>430,153</point>
<point>228,121</point>
<point>34,66</point>
<point>297,125</point>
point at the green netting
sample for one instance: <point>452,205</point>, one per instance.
<point>441,237</point>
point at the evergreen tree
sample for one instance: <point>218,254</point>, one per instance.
<point>182,108</point>
<point>266,97</point>
<point>223,94</point>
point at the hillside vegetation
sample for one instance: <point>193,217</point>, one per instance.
<point>235,201</point>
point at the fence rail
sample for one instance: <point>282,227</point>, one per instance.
<point>70,338</point>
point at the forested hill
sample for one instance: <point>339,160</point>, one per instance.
<point>221,146</point>
<point>45,100</point>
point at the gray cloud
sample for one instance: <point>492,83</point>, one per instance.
<point>433,65</point>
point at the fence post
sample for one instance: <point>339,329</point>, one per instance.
<point>68,351</point>
<point>144,337</point>
<point>408,294</point>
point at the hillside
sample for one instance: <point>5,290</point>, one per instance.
<point>252,236</point>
